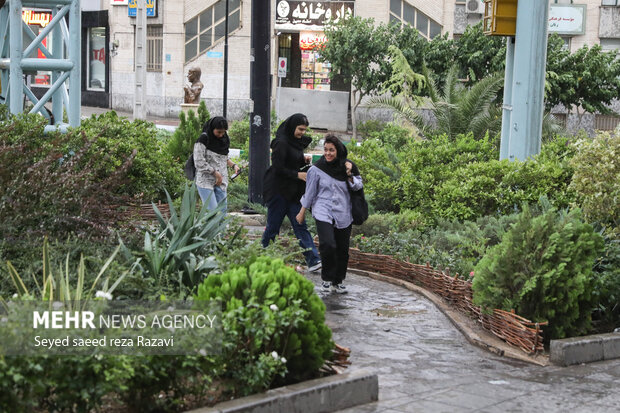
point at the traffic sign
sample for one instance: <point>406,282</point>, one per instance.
<point>282,67</point>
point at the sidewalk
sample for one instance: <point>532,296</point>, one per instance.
<point>426,365</point>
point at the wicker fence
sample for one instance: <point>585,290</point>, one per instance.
<point>506,325</point>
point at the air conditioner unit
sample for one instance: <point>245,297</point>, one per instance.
<point>474,6</point>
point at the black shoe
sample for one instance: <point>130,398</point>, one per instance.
<point>317,266</point>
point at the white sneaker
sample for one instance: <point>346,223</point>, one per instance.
<point>339,288</point>
<point>315,267</point>
<point>326,286</point>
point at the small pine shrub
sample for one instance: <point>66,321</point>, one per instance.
<point>542,270</point>
<point>188,131</point>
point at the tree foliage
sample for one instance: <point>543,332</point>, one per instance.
<point>542,269</point>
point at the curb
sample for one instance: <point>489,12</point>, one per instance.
<point>323,395</point>
<point>586,349</point>
<point>475,334</point>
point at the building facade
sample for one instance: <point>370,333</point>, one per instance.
<point>190,33</point>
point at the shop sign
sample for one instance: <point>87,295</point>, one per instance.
<point>567,19</point>
<point>118,2</point>
<point>309,41</point>
<point>308,15</point>
<point>151,8</point>
<point>33,17</point>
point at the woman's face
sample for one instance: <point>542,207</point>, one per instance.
<point>218,133</point>
<point>300,130</point>
<point>330,152</point>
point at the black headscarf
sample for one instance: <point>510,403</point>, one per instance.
<point>286,131</point>
<point>336,168</point>
<point>213,143</point>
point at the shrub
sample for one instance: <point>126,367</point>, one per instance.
<point>43,191</point>
<point>185,135</point>
<point>269,307</point>
<point>239,133</point>
<point>365,129</point>
<point>393,135</point>
<point>542,269</point>
<point>152,170</point>
<point>62,384</point>
<point>606,315</point>
<point>597,178</point>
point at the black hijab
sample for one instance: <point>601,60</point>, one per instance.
<point>213,143</point>
<point>286,131</point>
<point>336,168</point>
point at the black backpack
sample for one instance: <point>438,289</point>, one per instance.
<point>190,167</point>
<point>359,206</point>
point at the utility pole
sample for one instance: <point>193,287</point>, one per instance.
<point>260,93</point>
<point>139,106</point>
<point>524,83</point>
<point>225,93</point>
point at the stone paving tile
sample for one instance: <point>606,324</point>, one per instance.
<point>425,364</point>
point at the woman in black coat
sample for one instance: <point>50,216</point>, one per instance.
<point>284,185</point>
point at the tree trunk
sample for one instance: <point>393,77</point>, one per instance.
<point>356,97</point>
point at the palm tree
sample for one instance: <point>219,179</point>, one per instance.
<point>456,109</point>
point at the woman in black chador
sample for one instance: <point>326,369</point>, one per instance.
<point>285,184</point>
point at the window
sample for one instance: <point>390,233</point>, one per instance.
<point>609,45</point>
<point>402,12</point>
<point>96,59</point>
<point>610,2</point>
<point>154,47</point>
<point>606,122</point>
<point>206,29</point>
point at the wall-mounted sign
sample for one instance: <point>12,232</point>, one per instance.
<point>151,8</point>
<point>40,18</point>
<point>308,41</point>
<point>307,15</point>
<point>569,19</point>
<point>118,2</point>
<point>215,55</point>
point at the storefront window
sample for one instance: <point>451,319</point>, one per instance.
<point>314,74</point>
<point>96,57</point>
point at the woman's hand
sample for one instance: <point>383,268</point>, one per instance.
<point>302,175</point>
<point>308,158</point>
<point>218,178</point>
<point>348,165</point>
<point>236,168</point>
<point>301,216</point>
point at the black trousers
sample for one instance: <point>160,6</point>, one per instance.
<point>334,251</point>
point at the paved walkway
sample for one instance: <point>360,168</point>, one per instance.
<point>426,365</point>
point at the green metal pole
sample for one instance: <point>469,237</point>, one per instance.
<point>528,83</point>
<point>16,80</point>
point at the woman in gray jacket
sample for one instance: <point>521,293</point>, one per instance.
<point>211,160</point>
<point>327,194</point>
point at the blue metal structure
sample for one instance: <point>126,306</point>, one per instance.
<point>63,60</point>
<point>525,82</point>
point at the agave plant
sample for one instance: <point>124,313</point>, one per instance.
<point>55,284</point>
<point>185,243</point>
